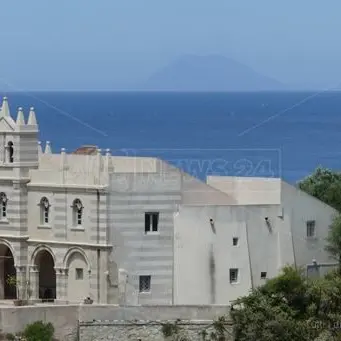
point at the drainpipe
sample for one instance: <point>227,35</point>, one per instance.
<point>98,250</point>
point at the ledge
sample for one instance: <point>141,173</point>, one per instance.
<point>54,242</point>
<point>148,322</point>
<point>44,227</point>
<point>79,229</point>
<point>3,236</point>
<point>102,188</point>
<point>152,233</point>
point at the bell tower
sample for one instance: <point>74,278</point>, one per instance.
<point>18,141</point>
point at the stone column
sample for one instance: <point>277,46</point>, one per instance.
<point>2,279</point>
<point>34,282</point>
<point>61,284</point>
<point>21,278</point>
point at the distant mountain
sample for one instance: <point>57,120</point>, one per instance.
<point>209,73</point>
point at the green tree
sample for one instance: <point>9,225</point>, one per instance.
<point>334,240</point>
<point>290,307</point>
<point>325,185</point>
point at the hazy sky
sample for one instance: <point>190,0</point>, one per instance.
<point>109,43</point>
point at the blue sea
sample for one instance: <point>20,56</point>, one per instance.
<point>244,134</point>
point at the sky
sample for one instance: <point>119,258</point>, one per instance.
<point>112,44</point>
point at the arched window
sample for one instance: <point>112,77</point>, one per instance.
<point>44,211</point>
<point>77,212</point>
<point>10,151</point>
<point>3,202</point>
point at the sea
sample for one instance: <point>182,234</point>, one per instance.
<point>271,134</point>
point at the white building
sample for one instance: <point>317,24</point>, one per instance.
<point>134,230</point>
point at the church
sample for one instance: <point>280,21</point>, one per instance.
<point>136,230</point>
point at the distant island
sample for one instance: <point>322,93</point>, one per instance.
<point>209,73</point>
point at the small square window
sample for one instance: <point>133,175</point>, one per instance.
<point>151,220</point>
<point>233,275</point>
<point>235,241</point>
<point>145,283</point>
<point>311,230</point>
<point>79,274</point>
<point>263,275</point>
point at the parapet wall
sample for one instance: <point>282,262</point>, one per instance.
<point>64,319</point>
<point>104,322</point>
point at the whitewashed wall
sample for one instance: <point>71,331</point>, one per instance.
<point>302,207</point>
<point>194,238</point>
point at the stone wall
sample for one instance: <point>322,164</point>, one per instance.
<point>64,319</point>
<point>144,323</point>
<point>143,330</point>
<point>90,320</point>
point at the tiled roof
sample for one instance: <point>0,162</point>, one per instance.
<point>86,150</point>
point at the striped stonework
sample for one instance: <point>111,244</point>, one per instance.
<point>60,212</point>
<point>61,284</point>
<point>16,200</point>
<point>26,148</point>
<point>18,208</point>
<point>138,252</point>
<point>59,253</point>
<point>98,218</point>
<point>98,279</point>
<point>21,252</point>
<point>34,282</point>
<point>21,281</point>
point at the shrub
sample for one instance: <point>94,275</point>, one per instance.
<point>39,331</point>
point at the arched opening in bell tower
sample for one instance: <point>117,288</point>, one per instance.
<point>10,151</point>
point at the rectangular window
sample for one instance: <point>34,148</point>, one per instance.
<point>79,273</point>
<point>145,283</point>
<point>263,275</point>
<point>151,220</point>
<point>46,215</point>
<point>311,228</point>
<point>4,211</point>
<point>235,241</point>
<point>233,275</point>
<point>79,217</point>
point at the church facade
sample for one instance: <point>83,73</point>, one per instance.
<point>136,230</point>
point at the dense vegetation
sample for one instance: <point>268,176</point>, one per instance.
<point>36,331</point>
<point>325,185</point>
<point>292,306</point>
